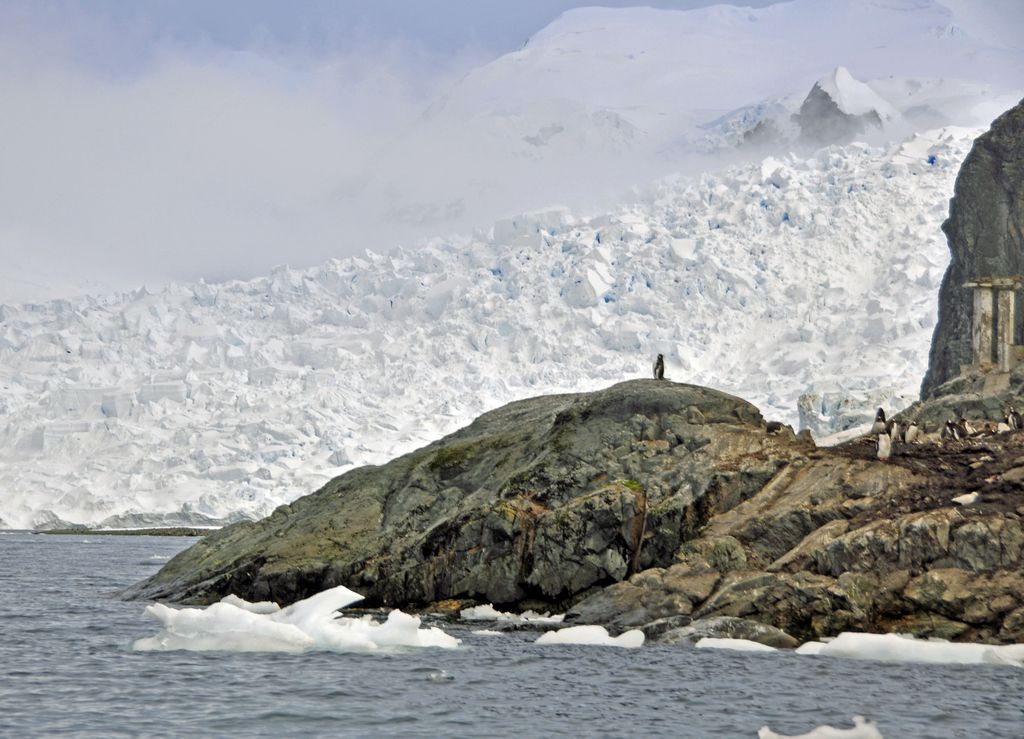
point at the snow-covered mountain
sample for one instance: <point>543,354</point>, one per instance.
<point>604,98</point>
<point>805,284</point>
<point>596,103</point>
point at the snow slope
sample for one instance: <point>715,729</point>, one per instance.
<point>853,97</point>
<point>814,277</point>
<point>606,97</point>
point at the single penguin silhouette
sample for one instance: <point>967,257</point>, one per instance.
<point>1013,419</point>
<point>896,431</point>
<point>883,447</point>
<point>659,368</point>
<point>879,426</point>
<point>913,432</point>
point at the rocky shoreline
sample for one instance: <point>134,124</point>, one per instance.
<point>168,531</point>
<point>652,505</point>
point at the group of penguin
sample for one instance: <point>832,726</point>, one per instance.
<point>962,429</point>
<point>887,433</point>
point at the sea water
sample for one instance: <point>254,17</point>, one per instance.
<point>68,667</point>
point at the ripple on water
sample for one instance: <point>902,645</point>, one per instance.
<point>68,669</point>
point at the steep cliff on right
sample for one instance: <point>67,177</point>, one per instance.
<point>977,347</point>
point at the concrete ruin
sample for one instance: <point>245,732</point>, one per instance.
<point>993,326</point>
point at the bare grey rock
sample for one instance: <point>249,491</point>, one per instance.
<point>985,230</point>
<point>821,121</point>
<point>652,595</point>
<point>543,499</point>
<point>727,627</point>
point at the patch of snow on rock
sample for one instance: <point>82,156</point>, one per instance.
<point>854,97</point>
<point>738,645</point>
<point>593,636</point>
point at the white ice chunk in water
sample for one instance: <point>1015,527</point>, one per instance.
<point>862,729</point>
<point>489,613</point>
<point>262,607</point>
<point>235,625</point>
<point>903,648</point>
<point>739,645</point>
<point>592,635</point>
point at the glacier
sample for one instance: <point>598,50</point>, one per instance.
<point>806,284</point>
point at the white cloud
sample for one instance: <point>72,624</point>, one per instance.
<point>193,161</point>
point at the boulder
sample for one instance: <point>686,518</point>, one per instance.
<point>652,595</point>
<point>542,499</point>
<point>976,599</point>
<point>727,627</point>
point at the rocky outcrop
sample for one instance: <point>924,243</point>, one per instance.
<point>838,109</point>
<point>658,506</point>
<point>727,627</point>
<point>539,501</point>
<point>985,230</point>
<point>839,541</point>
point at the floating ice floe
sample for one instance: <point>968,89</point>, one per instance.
<point>862,729</point>
<point>739,645</point>
<point>235,625</point>
<point>592,635</point>
<point>490,613</point>
<point>904,648</point>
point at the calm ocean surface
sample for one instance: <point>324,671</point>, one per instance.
<point>68,668</point>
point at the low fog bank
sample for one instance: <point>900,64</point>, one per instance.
<point>198,159</point>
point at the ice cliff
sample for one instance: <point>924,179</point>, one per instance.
<point>806,285</point>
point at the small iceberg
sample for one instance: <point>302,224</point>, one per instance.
<point>739,645</point>
<point>235,625</point>
<point>862,729</point>
<point>592,635</point>
<point>905,648</point>
<point>490,613</point>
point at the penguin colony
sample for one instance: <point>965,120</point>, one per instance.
<point>890,433</point>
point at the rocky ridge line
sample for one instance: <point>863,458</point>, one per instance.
<point>650,504</point>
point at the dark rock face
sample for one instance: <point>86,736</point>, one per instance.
<point>985,230</point>
<point>838,541</point>
<point>654,505</point>
<point>727,627</point>
<point>821,121</point>
<point>540,500</point>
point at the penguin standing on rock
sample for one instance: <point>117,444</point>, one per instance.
<point>1014,420</point>
<point>883,447</point>
<point>950,432</point>
<point>659,368</point>
<point>896,432</point>
<point>879,425</point>
<point>913,433</point>
<point>965,428</point>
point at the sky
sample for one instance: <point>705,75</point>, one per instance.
<point>156,140</point>
<point>153,140</point>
